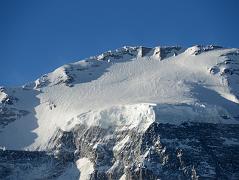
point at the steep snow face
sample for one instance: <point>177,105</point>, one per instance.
<point>129,88</point>
<point>138,116</point>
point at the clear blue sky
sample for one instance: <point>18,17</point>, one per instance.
<point>37,36</point>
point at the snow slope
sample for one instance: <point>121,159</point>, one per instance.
<point>128,88</point>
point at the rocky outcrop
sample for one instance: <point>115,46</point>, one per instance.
<point>163,151</point>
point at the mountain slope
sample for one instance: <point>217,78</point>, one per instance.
<point>110,111</point>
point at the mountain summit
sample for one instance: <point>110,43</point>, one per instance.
<point>132,113</point>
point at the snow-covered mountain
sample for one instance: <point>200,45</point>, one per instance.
<point>136,112</point>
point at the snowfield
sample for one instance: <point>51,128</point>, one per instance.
<point>128,88</point>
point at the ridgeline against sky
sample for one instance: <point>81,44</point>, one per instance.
<point>38,36</point>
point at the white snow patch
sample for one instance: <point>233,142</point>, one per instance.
<point>123,177</point>
<point>192,50</point>
<point>3,95</point>
<point>86,168</point>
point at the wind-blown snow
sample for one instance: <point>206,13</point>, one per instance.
<point>129,88</point>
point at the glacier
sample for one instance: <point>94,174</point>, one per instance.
<point>110,99</point>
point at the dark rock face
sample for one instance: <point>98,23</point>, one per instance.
<point>229,69</point>
<point>30,165</point>
<point>165,51</point>
<point>202,147</point>
<point>145,51</point>
<point>163,151</point>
